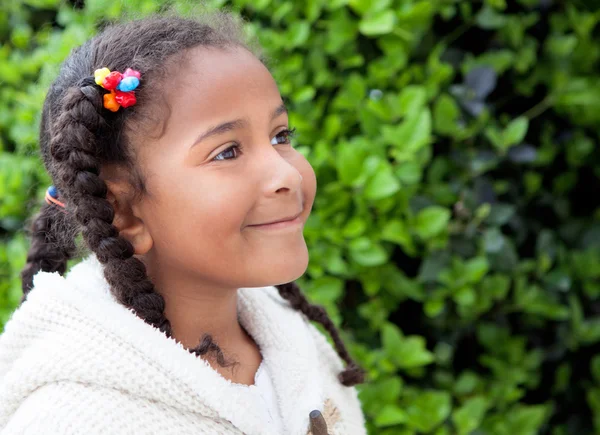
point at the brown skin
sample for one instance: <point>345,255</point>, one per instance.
<point>193,229</point>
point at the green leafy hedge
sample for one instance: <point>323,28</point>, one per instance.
<point>456,231</point>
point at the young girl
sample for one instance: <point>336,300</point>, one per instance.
<point>169,147</point>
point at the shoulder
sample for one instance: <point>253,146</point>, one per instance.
<point>328,362</point>
<point>65,408</point>
<point>269,299</point>
<point>71,408</point>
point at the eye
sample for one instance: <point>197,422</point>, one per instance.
<point>283,137</point>
<point>234,150</point>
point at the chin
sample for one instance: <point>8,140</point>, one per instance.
<point>286,268</point>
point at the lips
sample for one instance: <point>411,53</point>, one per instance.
<point>287,218</point>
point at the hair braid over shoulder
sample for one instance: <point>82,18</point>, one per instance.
<point>352,374</point>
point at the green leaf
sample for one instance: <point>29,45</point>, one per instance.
<point>411,135</point>
<point>527,419</point>
<point>396,231</point>
<point>377,394</point>
<point>468,417</point>
<point>428,410</point>
<point>355,227</point>
<point>409,172</point>
<point>475,269</point>
<point>349,162</point>
<point>496,286</point>
<point>326,289</point>
<point>391,338</point>
<point>367,253</point>
<point>298,33</point>
<point>390,415</point>
<point>383,184</point>
<point>431,221</point>
<point>413,353</point>
<point>378,23</point>
<point>342,30</point>
<point>493,240</point>
<point>405,352</point>
<point>489,19</point>
<point>464,296</point>
<point>515,132</point>
<point>361,7</point>
<point>445,115</point>
<point>561,45</point>
<point>412,99</point>
<point>303,94</point>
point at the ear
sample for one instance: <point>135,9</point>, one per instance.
<point>130,226</point>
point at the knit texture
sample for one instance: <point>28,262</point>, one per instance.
<point>73,360</point>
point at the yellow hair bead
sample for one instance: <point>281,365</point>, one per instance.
<point>110,103</point>
<point>100,74</point>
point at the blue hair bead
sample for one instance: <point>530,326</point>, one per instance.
<point>53,192</point>
<point>128,84</point>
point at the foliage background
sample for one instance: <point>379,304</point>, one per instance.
<point>456,231</point>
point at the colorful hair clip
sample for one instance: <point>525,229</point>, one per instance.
<point>120,85</point>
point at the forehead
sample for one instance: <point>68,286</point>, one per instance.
<point>221,82</point>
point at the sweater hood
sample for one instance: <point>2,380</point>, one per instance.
<point>73,330</point>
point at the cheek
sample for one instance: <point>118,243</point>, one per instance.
<point>215,204</point>
<point>194,214</point>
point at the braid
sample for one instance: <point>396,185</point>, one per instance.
<point>52,244</point>
<point>352,374</point>
<point>73,147</point>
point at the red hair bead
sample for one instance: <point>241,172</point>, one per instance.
<point>125,99</point>
<point>111,81</point>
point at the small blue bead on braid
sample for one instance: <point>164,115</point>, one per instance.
<point>53,191</point>
<point>52,197</point>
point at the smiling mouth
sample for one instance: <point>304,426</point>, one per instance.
<point>280,224</point>
<point>286,219</point>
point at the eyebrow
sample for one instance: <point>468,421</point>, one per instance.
<point>234,125</point>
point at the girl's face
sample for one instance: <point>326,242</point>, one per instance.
<point>223,166</point>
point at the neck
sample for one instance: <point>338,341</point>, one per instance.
<point>195,308</point>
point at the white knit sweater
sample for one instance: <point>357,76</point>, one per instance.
<point>74,361</point>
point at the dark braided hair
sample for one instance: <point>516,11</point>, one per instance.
<point>78,136</point>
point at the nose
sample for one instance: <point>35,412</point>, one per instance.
<point>279,174</point>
